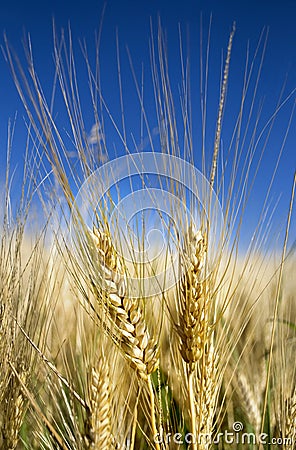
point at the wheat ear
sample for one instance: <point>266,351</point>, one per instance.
<point>12,400</point>
<point>194,333</point>
<point>290,422</point>
<point>15,409</point>
<point>128,326</point>
<point>250,403</point>
<point>193,303</point>
<point>99,414</point>
<point>130,329</point>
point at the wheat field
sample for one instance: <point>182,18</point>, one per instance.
<point>205,362</point>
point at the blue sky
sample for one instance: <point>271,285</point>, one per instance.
<point>132,20</point>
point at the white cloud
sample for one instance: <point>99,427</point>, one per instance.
<point>95,135</point>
